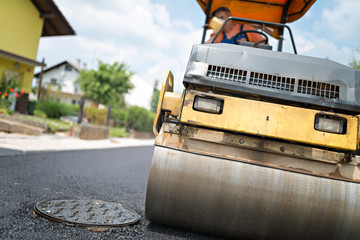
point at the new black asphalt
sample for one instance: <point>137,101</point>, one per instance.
<point>114,175</point>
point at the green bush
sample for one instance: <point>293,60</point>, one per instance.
<point>119,116</point>
<point>150,121</point>
<point>118,132</point>
<point>54,109</point>
<point>139,118</point>
<point>40,113</point>
<point>75,108</point>
<point>4,110</point>
<point>95,115</point>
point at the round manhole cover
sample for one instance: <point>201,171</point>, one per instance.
<point>87,212</point>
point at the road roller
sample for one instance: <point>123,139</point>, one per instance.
<point>261,144</point>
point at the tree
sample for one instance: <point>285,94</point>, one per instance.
<point>154,100</point>
<point>355,63</point>
<point>107,85</point>
<point>139,118</point>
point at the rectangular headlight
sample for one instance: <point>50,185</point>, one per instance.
<point>209,105</point>
<point>333,125</point>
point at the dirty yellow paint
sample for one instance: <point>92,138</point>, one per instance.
<point>270,120</point>
<point>172,103</point>
<point>167,86</point>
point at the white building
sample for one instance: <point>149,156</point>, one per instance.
<point>58,83</point>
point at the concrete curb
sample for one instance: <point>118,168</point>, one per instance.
<point>48,143</point>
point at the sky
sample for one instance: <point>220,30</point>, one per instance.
<point>153,36</point>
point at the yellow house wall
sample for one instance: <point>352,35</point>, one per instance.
<point>26,73</point>
<point>21,27</point>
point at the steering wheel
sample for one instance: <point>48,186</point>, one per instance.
<point>245,32</point>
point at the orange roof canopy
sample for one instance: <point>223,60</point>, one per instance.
<point>262,10</point>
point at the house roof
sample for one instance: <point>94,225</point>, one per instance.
<point>55,24</point>
<point>17,58</point>
<point>58,65</point>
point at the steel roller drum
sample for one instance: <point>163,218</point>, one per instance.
<point>239,200</point>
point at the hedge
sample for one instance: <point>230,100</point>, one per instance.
<point>54,109</point>
<point>139,118</point>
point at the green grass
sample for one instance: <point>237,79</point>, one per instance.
<point>5,111</point>
<point>118,132</point>
<point>55,125</point>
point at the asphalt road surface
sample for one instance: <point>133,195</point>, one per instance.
<point>114,175</point>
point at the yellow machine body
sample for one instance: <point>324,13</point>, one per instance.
<point>262,171</point>
<point>269,120</point>
<point>260,144</point>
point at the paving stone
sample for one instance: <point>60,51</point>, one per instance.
<point>19,119</point>
<point>90,132</point>
<point>16,127</point>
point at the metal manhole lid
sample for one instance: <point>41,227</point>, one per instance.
<point>87,212</point>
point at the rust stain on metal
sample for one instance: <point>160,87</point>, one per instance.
<point>172,140</point>
<point>336,173</point>
<point>229,146</point>
<point>170,154</point>
<point>193,122</point>
<point>329,114</point>
<point>302,170</point>
<point>262,159</point>
<point>191,132</point>
<point>188,102</point>
<point>98,229</point>
<point>253,143</point>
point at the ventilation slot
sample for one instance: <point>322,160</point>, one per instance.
<point>271,81</point>
<point>325,90</point>
<point>230,74</point>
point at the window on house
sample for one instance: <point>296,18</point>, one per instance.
<point>68,68</point>
<point>53,81</point>
<point>73,102</point>
<point>76,88</point>
<point>10,74</point>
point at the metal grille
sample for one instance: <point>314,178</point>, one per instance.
<point>271,81</point>
<point>325,90</point>
<point>225,73</point>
